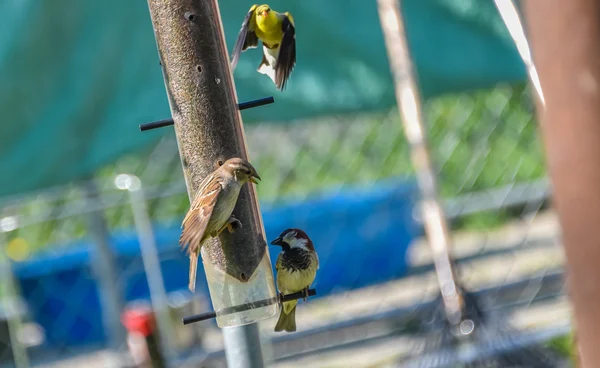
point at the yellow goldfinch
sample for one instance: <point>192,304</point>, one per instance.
<point>278,35</point>
<point>297,267</point>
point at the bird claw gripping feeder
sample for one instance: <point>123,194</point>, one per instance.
<point>209,131</point>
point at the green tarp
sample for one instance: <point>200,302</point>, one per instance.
<point>78,76</point>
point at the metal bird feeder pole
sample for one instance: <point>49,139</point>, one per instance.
<point>409,106</point>
<point>208,126</point>
<point>564,39</point>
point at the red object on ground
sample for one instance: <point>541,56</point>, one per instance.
<point>139,320</point>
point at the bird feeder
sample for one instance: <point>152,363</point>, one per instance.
<point>208,126</point>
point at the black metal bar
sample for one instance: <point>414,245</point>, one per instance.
<point>156,124</point>
<point>241,106</point>
<point>247,306</point>
<point>256,103</point>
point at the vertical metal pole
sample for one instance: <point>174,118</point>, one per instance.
<point>409,105</point>
<point>242,347</point>
<point>564,37</point>
<point>103,265</point>
<point>208,126</point>
<point>510,15</point>
<point>12,310</point>
<point>151,261</point>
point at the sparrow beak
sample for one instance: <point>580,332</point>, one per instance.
<point>277,241</point>
<point>265,13</point>
<point>253,179</point>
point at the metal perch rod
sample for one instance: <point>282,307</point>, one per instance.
<point>243,307</point>
<point>241,106</point>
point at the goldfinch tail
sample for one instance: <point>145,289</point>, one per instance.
<point>193,270</point>
<point>286,322</point>
<point>267,64</point>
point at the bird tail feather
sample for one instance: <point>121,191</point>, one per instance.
<point>193,269</point>
<point>286,322</point>
<point>267,64</point>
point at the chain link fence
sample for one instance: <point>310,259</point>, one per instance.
<point>346,180</point>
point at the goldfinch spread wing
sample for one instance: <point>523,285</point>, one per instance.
<point>287,52</point>
<point>196,220</point>
<point>246,38</point>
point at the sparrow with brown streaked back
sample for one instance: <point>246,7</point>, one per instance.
<point>211,211</point>
<point>296,267</point>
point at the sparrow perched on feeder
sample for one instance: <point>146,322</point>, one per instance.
<point>296,267</point>
<point>278,36</point>
<point>210,212</point>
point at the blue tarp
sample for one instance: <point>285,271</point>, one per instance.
<point>361,236</point>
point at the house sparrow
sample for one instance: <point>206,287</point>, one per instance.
<point>210,212</point>
<point>278,35</point>
<point>296,267</point>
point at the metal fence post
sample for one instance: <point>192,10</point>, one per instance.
<point>203,102</point>
<point>409,105</point>
<point>150,260</point>
<point>103,265</point>
<point>510,16</point>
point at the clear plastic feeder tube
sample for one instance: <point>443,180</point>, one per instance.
<point>227,291</point>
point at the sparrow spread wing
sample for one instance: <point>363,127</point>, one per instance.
<point>287,52</point>
<point>196,220</point>
<point>279,278</point>
<point>246,38</point>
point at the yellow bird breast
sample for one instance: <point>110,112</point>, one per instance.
<point>293,281</point>
<point>268,29</point>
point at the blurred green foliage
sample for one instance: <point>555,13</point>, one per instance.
<point>478,140</point>
<point>565,347</point>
